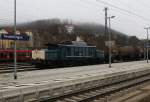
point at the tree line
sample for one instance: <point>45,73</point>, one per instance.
<point>54,31</point>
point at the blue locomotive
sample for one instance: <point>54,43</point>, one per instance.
<point>69,53</point>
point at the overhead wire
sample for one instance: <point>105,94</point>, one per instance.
<point>138,4</point>
<point>122,9</point>
<point>121,12</point>
<point>126,14</point>
<point>144,5</point>
<point>132,21</point>
<point>126,11</point>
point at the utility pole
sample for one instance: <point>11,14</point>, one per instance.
<point>144,53</point>
<point>110,42</point>
<point>109,38</point>
<point>106,30</point>
<point>15,54</point>
<point>147,44</point>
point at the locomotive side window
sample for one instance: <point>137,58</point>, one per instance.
<point>78,54</point>
<point>86,51</point>
<point>89,51</point>
<point>93,51</point>
<point>83,51</point>
<point>76,51</point>
<point>72,51</point>
<point>80,51</point>
<point>63,51</point>
<point>68,51</point>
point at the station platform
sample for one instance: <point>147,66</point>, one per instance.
<point>39,84</point>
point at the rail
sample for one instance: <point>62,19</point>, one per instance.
<point>90,95</point>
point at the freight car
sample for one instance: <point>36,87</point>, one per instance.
<point>70,53</point>
<point>130,53</point>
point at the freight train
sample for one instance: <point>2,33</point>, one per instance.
<point>69,53</point>
<point>74,53</point>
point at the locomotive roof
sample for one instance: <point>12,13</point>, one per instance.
<point>73,43</point>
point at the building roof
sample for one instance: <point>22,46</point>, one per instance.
<point>3,31</point>
<point>8,29</point>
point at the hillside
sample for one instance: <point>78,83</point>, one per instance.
<point>54,31</point>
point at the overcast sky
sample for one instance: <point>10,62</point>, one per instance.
<point>81,10</point>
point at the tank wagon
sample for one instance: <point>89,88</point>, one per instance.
<point>70,53</point>
<point>129,53</point>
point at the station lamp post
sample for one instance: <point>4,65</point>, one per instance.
<point>147,44</point>
<point>110,43</point>
<point>15,54</point>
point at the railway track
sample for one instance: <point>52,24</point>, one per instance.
<point>100,94</point>
<point>9,67</point>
